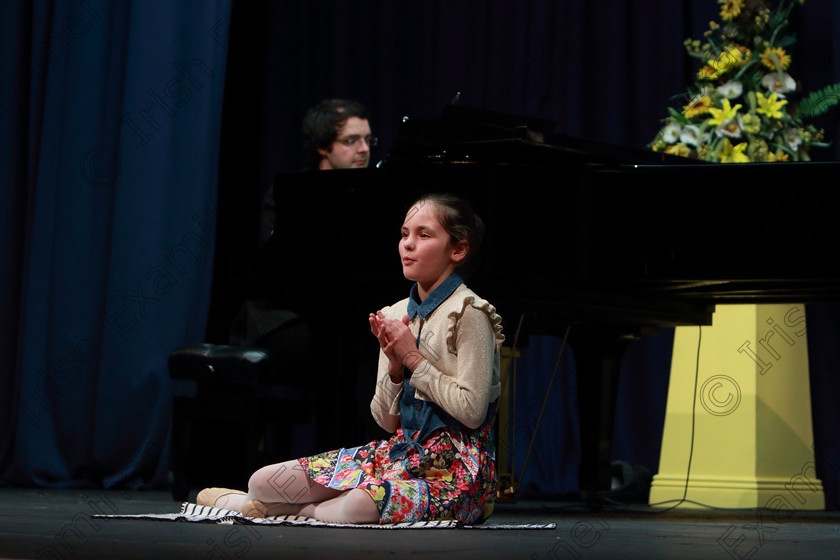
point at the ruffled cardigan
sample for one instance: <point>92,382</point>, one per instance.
<point>460,341</point>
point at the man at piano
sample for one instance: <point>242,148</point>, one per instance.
<point>336,135</point>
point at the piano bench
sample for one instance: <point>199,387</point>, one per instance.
<point>233,411</point>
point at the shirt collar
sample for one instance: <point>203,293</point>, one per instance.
<point>434,299</point>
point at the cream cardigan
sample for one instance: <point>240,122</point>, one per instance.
<point>460,341</point>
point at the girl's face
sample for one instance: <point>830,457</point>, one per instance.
<point>427,255</point>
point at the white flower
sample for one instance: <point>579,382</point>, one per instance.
<point>731,128</point>
<point>731,89</point>
<point>792,138</point>
<point>690,135</point>
<point>780,83</point>
<point>671,133</point>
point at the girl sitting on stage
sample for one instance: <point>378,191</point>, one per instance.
<point>437,384</point>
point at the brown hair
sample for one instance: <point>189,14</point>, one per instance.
<point>461,223</point>
<point>322,123</point>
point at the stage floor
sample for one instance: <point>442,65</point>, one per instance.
<point>58,524</point>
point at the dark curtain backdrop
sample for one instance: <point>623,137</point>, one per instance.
<point>109,140</point>
<point>110,154</point>
<point>601,69</point>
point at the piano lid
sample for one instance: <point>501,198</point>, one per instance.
<point>585,228</point>
<point>465,134</point>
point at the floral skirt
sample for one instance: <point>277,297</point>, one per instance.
<point>455,478</point>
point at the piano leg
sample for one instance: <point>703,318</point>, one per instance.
<point>598,353</point>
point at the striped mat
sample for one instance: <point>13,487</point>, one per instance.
<point>203,514</point>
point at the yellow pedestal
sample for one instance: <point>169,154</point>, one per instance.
<point>752,444</point>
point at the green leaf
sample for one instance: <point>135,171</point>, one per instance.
<point>676,115</point>
<point>786,41</point>
<point>820,101</point>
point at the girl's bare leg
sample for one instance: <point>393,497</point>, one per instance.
<point>286,489</point>
<point>287,483</point>
<point>282,484</point>
<point>353,506</point>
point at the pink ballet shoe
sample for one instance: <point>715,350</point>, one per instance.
<point>254,508</point>
<point>224,498</point>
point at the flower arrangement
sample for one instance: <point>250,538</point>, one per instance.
<point>739,108</point>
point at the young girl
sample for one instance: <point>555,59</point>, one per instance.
<point>437,384</point>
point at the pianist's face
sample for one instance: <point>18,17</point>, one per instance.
<point>351,148</point>
<point>428,256</point>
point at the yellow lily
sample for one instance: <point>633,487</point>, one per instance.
<point>719,116</point>
<point>733,154</point>
<point>770,106</point>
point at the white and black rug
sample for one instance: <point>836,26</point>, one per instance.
<point>202,514</point>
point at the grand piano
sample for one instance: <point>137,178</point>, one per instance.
<point>588,241</point>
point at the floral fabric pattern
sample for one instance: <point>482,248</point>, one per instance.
<point>453,478</point>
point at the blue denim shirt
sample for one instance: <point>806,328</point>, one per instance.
<point>417,414</point>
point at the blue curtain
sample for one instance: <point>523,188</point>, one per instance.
<point>544,429</point>
<point>110,119</point>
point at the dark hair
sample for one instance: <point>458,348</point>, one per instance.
<point>461,223</point>
<point>322,123</point>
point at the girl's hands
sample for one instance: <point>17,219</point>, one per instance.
<point>376,328</point>
<point>397,342</point>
